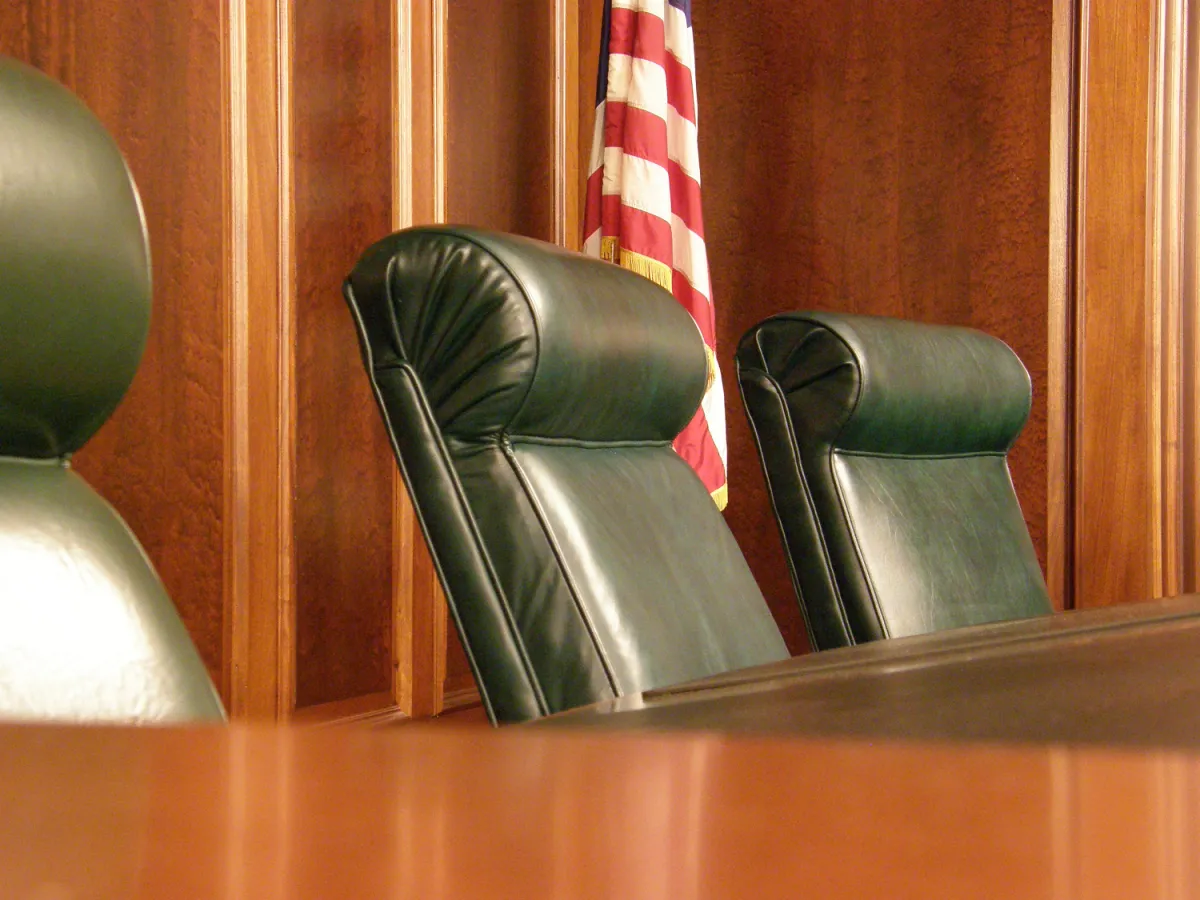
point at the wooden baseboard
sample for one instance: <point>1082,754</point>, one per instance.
<point>457,698</point>
<point>369,709</point>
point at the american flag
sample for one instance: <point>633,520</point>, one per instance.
<point>643,190</point>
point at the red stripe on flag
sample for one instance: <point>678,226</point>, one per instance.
<point>697,304</point>
<point>591,209</point>
<point>644,135</point>
<point>695,444</point>
<point>679,88</point>
<point>636,230</point>
<point>637,132</point>
<point>641,35</point>
<point>685,198</point>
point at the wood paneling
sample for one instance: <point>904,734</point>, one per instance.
<point>152,73</point>
<point>260,598</point>
<point>1115,504</point>
<point>876,158</point>
<point>500,116</point>
<point>341,107</point>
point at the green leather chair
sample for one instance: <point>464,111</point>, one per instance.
<point>884,445</point>
<point>531,396</point>
<point>87,632</point>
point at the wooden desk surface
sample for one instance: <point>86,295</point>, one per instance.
<point>429,812</point>
<point>1127,675</point>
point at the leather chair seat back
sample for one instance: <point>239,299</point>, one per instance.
<point>531,396</point>
<point>885,444</point>
<point>87,631</point>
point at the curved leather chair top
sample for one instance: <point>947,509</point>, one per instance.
<point>87,631</point>
<point>885,444</point>
<point>531,396</point>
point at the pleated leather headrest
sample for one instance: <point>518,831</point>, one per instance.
<point>74,269</point>
<point>517,337</point>
<point>880,385</point>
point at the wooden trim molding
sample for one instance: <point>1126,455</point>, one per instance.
<point>1190,310</point>
<point>419,191</point>
<point>1165,234</point>
<point>259,401</point>
<point>368,709</point>
<point>1066,144</point>
<point>568,221</point>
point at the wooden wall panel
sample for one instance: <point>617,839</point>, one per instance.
<point>151,71</point>
<point>887,158</point>
<point>1116,557</point>
<point>500,115</point>
<point>341,107</point>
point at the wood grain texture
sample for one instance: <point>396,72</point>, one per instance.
<point>260,604</point>
<point>433,811</point>
<point>1115,509</point>
<point>342,94</point>
<point>876,158</point>
<point>500,116</point>
<point>1062,303</point>
<point>152,73</point>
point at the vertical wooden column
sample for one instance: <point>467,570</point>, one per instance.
<point>259,398</point>
<point>1124,425</point>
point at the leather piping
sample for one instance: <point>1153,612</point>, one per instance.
<point>777,391</point>
<point>407,370</point>
<point>578,442</point>
<point>864,374</point>
<point>872,454</point>
<point>506,447</point>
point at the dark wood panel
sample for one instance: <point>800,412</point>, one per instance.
<point>152,73</point>
<point>341,82</point>
<point>888,158</point>
<point>500,115</point>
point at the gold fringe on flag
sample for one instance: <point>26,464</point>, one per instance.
<point>658,272</point>
<point>721,496</point>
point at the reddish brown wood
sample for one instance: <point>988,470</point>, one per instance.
<point>500,115</point>
<point>886,158</point>
<point>1115,503</point>
<point>438,811</point>
<point>152,73</point>
<point>341,108</point>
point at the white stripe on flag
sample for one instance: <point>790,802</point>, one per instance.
<point>689,256</point>
<point>639,183</point>
<point>637,82</point>
<point>713,405</point>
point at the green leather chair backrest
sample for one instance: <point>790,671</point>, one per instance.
<point>531,395</point>
<point>884,444</point>
<point>87,631</point>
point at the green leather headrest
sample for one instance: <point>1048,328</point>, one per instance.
<point>74,269</point>
<point>891,387</point>
<point>613,357</point>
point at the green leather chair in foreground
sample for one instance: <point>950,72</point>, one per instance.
<point>885,444</point>
<point>87,632</point>
<point>531,396</point>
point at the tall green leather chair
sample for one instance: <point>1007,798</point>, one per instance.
<point>87,632</point>
<point>884,445</point>
<point>531,396</point>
